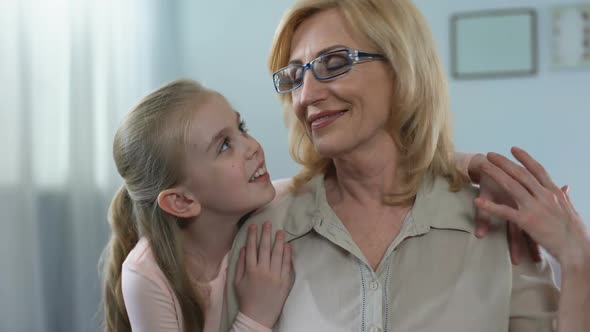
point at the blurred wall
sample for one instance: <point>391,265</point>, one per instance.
<point>225,44</point>
<point>547,114</point>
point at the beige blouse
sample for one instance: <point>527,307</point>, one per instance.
<point>435,276</point>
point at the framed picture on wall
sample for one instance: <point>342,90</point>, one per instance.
<point>494,44</point>
<point>571,36</point>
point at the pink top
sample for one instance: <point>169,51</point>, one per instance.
<point>152,305</point>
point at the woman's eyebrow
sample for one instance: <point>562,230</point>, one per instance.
<point>318,53</point>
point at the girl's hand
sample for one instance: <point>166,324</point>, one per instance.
<point>489,190</point>
<point>264,275</point>
<point>543,210</point>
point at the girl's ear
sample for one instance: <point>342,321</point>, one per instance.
<point>179,202</point>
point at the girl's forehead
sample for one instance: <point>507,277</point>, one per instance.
<point>209,119</point>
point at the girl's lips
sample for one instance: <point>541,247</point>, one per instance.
<point>263,178</point>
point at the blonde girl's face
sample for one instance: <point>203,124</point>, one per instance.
<point>226,168</point>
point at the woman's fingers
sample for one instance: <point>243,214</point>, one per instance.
<point>265,246</point>
<point>535,168</point>
<point>251,248</point>
<point>516,172</point>
<point>276,260</point>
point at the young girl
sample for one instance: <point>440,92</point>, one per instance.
<point>191,172</point>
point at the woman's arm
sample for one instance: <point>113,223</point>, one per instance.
<point>546,213</point>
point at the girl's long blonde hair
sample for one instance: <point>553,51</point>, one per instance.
<point>420,121</point>
<point>149,153</point>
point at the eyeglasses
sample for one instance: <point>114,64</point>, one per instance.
<point>324,67</point>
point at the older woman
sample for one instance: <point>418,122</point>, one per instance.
<point>379,219</point>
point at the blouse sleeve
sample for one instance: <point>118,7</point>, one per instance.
<point>534,299</point>
<point>244,323</point>
<point>149,306</point>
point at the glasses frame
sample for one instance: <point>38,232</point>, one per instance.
<point>354,57</point>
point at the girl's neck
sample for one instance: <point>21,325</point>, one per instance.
<point>211,238</point>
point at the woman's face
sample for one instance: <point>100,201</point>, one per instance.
<point>348,112</point>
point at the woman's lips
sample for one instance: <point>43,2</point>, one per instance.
<point>324,119</point>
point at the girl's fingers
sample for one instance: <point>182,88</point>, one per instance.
<point>516,172</point>
<point>241,265</point>
<point>536,169</point>
<point>276,260</point>
<point>265,246</point>
<point>516,237</point>
<point>501,211</point>
<point>287,259</point>
<point>251,259</point>
<point>534,249</point>
<point>512,187</point>
<point>566,192</point>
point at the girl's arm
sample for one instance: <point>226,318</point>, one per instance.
<point>462,161</point>
<point>546,213</point>
<point>470,165</point>
<point>244,323</point>
<point>149,305</point>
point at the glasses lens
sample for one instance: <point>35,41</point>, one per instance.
<point>288,78</point>
<point>332,64</point>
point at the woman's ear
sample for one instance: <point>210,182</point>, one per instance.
<point>179,202</point>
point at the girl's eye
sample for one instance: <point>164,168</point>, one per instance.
<point>224,146</point>
<point>243,127</point>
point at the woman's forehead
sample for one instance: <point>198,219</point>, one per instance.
<point>323,31</point>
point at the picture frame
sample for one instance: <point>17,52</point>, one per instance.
<point>571,36</point>
<point>480,47</point>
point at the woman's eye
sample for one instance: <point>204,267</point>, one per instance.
<point>335,62</point>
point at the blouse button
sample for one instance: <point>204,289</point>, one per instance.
<point>374,285</point>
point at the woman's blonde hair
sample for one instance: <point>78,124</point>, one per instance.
<point>420,121</point>
<point>149,153</point>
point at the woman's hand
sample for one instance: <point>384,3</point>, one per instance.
<point>543,210</point>
<point>490,191</point>
<point>264,275</point>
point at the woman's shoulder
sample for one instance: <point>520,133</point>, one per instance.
<point>289,206</point>
<point>282,187</point>
<point>440,207</point>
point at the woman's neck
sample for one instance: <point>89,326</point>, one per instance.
<point>366,174</point>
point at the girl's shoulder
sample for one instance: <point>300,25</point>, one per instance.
<point>141,261</point>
